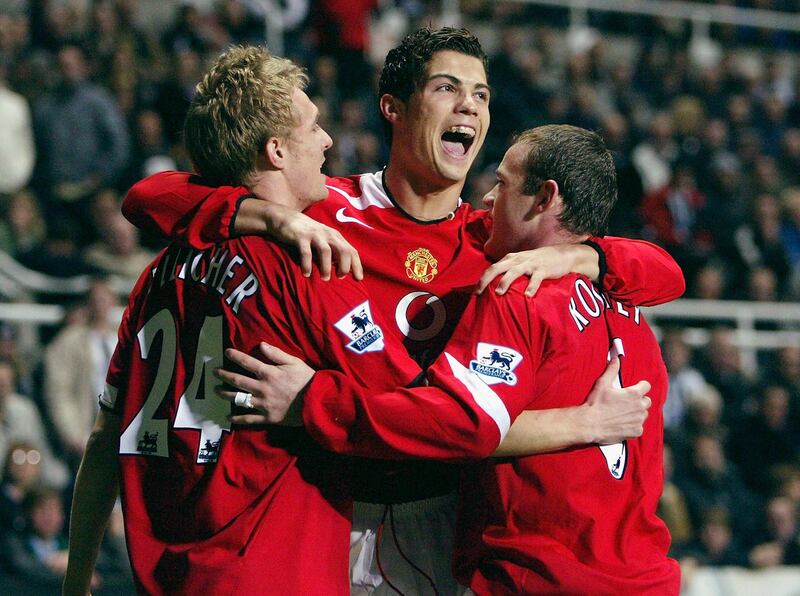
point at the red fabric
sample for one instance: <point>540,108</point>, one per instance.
<point>272,514</point>
<point>561,523</point>
<point>421,302</point>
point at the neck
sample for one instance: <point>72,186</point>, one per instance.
<point>558,235</point>
<point>419,198</point>
<point>271,185</point>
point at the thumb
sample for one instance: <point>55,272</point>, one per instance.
<point>610,373</point>
<point>275,354</point>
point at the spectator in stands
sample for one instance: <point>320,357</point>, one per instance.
<point>22,229</point>
<point>703,417</point>
<point>779,542</point>
<point>38,555</point>
<point>787,374</point>
<point>709,282</point>
<point>765,439</point>
<point>710,480</point>
<point>789,157</point>
<point>17,151</point>
<point>82,143</point>
<point>20,421</point>
<point>672,507</point>
<point>175,91</point>
<point>716,544</point>
<point>790,237</point>
<point>758,242</point>
<point>151,151</point>
<point>721,365</point>
<point>75,366</point>
<point>656,154</point>
<point>22,471</point>
<point>673,217</point>
<point>119,252</point>
<point>684,379</point>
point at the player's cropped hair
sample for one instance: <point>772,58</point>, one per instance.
<point>578,160</point>
<point>245,99</point>
<point>406,65</point>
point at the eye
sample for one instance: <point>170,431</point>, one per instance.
<point>446,87</point>
<point>482,96</point>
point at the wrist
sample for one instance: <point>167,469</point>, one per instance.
<point>583,422</point>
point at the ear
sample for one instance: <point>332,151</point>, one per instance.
<point>547,197</point>
<point>275,152</point>
<point>391,108</point>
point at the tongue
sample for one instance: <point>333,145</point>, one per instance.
<point>454,147</point>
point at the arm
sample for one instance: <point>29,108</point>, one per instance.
<point>639,272</point>
<point>460,418</point>
<point>631,271</point>
<point>610,415</point>
<point>178,205</point>
<point>96,489</point>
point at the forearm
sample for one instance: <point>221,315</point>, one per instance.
<point>424,422</point>
<point>96,489</point>
<point>640,273</point>
<point>544,431</point>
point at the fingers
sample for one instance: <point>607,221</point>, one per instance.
<point>491,272</point>
<point>533,286</point>
<point>306,257</point>
<point>343,262</point>
<point>322,248</point>
<point>357,268</point>
<point>246,361</point>
<point>641,388</point>
<point>240,382</point>
<point>276,355</point>
<point>250,419</point>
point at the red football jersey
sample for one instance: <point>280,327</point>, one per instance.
<point>420,276</point>
<point>221,510</point>
<point>580,521</point>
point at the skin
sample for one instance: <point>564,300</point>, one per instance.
<point>425,177</point>
<point>291,171</point>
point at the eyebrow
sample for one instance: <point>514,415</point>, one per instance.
<point>457,81</point>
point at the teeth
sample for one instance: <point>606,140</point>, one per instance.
<point>464,130</point>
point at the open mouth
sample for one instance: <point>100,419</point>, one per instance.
<point>457,140</point>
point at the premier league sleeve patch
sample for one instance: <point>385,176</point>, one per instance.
<point>357,325</point>
<point>495,363</point>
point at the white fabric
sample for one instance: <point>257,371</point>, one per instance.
<point>424,530</point>
<point>17,152</point>
<point>483,395</point>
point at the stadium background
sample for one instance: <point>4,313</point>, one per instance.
<point>699,101</point>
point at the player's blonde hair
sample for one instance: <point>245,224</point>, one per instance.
<point>245,99</point>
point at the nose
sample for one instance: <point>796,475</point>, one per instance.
<point>328,141</point>
<point>467,104</point>
<point>488,200</point>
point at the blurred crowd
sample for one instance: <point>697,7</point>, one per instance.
<point>706,137</point>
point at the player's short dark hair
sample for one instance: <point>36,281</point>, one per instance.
<point>579,161</point>
<point>405,66</point>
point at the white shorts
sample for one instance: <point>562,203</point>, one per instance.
<point>424,532</point>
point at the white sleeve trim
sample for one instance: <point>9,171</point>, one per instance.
<point>109,396</point>
<point>483,395</point>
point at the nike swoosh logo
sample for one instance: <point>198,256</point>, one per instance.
<point>340,216</point>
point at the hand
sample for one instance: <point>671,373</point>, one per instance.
<point>614,414</point>
<point>313,238</point>
<point>547,262</point>
<point>57,562</point>
<point>275,387</point>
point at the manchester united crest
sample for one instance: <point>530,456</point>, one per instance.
<point>421,265</point>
